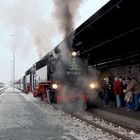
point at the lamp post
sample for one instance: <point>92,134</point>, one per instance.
<point>12,35</point>
<point>13,71</point>
<point>11,83</point>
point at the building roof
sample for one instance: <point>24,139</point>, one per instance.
<point>112,33</point>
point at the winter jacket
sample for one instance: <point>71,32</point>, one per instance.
<point>134,86</point>
<point>128,95</point>
<point>117,87</point>
<point>104,86</point>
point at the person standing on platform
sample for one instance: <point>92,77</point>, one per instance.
<point>135,88</point>
<point>129,98</point>
<point>110,89</point>
<point>104,91</point>
<point>117,91</point>
<point>122,87</point>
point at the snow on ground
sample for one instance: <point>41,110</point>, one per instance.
<point>74,128</point>
<point>77,129</point>
<point>29,97</point>
<point>128,133</point>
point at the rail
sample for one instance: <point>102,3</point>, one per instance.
<point>106,128</point>
<point>2,90</point>
<point>117,123</point>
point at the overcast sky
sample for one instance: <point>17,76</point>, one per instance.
<point>29,28</point>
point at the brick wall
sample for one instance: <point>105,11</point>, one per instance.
<point>124,71</point>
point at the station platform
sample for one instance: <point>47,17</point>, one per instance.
<point>118,115</point>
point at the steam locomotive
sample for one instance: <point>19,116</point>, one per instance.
<point>59,77</point>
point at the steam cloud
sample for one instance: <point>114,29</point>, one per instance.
<point>65,12</point>
<point>30,26</point>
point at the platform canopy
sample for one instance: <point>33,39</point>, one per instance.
<point>112,35</point>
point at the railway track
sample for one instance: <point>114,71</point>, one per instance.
<point>115,129</point>
<point>117,123</point>
<point>2,90</point>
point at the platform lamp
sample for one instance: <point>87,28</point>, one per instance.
<point>13,35</point>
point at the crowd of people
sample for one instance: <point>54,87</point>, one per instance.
<point>124,92</point>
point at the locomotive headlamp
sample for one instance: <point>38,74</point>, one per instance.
<point>92,85</point>
<point>54,86</point>
<point>74,53</point>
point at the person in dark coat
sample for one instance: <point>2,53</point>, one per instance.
<point>110,89</point>
<point>104,92</point>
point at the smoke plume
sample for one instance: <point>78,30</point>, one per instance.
<point>29,21</point>
<point>65,13</point>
